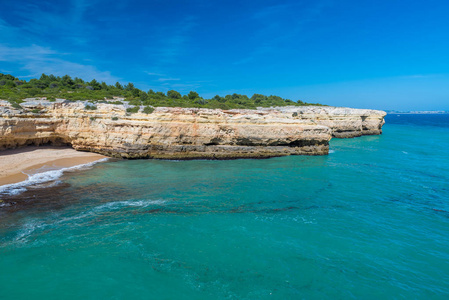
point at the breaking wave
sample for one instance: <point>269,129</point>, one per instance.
<point>39,178</point>
<point>36,225</point>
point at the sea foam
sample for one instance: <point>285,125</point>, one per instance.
<point>39,178</point>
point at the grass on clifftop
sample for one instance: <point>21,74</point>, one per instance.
<point>52,87</point>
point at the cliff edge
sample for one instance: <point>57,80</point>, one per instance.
<point>187,133</point>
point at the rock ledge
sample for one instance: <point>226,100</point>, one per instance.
<point>188,133</point>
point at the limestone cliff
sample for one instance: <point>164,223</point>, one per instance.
<point>344,122</point>
<point>188,133</point>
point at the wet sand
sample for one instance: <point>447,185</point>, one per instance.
<point>32,160</point>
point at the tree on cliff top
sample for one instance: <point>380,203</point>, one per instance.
<point>173,94</point>
<point>51,86</point>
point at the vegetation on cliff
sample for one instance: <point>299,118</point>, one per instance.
<point>15,90</point>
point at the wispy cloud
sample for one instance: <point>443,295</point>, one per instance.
<point>172,44</point>
<point>33,59</point>
<point>80,7</point>
<point>7,32</point>
<point>256,53</point>
<point>172,41</point>
<point>36,59</point>
<point>168,79</point>
<point>286,22</point>
<point>153,73</point>
<point>48,20</point>
<point>418,76</point>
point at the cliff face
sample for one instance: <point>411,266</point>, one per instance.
<point>344,122</point>
<point>187,133</point>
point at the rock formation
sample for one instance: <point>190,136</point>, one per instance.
<point>188,133</point>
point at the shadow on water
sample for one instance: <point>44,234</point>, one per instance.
<point>44,199</point>
<point>59,197</point>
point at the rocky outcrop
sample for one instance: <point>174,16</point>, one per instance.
<point>188,133</point>
<point>344,122</point>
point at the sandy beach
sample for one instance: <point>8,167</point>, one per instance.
<point>30,160</point>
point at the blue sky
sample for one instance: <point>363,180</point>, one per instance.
<point>366,54</point>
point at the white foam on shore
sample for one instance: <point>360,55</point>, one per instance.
<point>39,178</point>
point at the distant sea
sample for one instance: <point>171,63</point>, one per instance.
<point>369,221</point>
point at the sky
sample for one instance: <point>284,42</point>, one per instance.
<point>380,54</point>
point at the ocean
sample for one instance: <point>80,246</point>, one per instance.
<point>368,221</point>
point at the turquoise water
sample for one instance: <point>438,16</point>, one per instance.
<point>370,220</point>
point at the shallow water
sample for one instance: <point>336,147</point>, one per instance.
<point>370,220</point>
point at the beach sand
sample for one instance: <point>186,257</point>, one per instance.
<point>32,160</point>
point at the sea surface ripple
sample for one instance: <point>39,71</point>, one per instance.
<point>368,221</point>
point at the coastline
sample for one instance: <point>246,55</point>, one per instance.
<point>418,113</point>
<point>16,165</point>
<point>188,133</point>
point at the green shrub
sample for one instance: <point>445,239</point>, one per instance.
<point>114,118</point>
<point>90,107</point>
<point>148,109</point>
<point>133,109</point>
<point>136,102</point>
<point>16,105</point>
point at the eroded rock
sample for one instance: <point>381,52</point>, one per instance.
<point>189,133</point>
